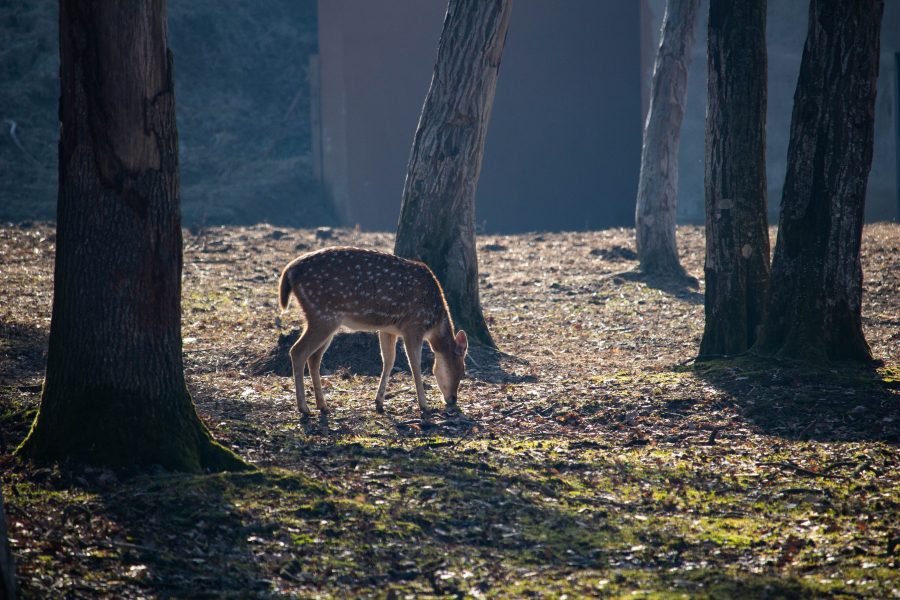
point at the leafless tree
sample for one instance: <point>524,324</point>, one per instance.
<point>655,213</point>
<point>815,304</point>
<point>437,217</point>
<point>115,391</point>
<point>737,237</point>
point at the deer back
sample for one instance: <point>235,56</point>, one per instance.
<point>366,290</point>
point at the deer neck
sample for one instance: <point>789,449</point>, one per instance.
<point>441,339</point>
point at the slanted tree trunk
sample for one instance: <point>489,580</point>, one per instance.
<point>114,391</point>
<point>654,216</point>
<point>7,570</point>
<point>814,309</point>
<point>737,237</point>
<point>437,216</point>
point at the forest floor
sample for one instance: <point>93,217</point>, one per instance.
<point>592,457</point>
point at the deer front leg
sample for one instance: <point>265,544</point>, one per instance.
<point>314,363</point>
<point>297,366</point>
<point>388,343</point>
<point>413,347</point>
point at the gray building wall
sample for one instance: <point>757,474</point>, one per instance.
<point>787,25</point>
<point>563,146</point>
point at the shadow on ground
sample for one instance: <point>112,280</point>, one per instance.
<point>359,354</point>
<point>800,401</point>
<point>22,356</point>
<point>422,519</point>
<point>449,423</point>
<point>22,352</point>
<point>684,288</point>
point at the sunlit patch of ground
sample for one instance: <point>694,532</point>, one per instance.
<point>591,457</point>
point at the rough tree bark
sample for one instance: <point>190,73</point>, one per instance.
<point>815,303</point>
<point>654,215</point>
<point>114,391</point>
<point>437,216</point>
<point>737,237</point>
<point>7,570</point>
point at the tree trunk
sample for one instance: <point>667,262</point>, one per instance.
<point>654,216</point>
<point>437,216</point>
<point>114,391</point>
<point>737,237</point>
<point>7,570</point>
<point>815,304</point>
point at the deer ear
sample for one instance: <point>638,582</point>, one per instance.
<point>462,342</point>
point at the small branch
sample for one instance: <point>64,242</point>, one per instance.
<point>130,546</point>
<point>708,357</point>
<point>843,463</point>
<point>787,464</point>
<point>801,490</point>
<point>15,138</point>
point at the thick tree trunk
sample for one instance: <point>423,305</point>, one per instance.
<point>737,237</point>
<point>7,570</point>
<point>654,216</point>
<point>114,391</point>
<point>815,304</point>
<point>437,217</point>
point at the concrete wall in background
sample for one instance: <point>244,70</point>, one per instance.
<point>375,63</point>
<point>787,25</point>
<point>563,147</point>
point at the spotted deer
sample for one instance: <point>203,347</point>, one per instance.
<point>366,290</point>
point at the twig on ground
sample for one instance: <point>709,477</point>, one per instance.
<point>787,464</point>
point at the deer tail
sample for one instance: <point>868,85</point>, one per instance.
<point>284,288</point>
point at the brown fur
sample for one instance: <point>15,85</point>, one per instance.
<point>371,291</point>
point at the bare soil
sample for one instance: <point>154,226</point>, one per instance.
<point>590,457</point>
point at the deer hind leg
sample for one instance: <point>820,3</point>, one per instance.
<point>312,339</point>
<point>314,363</point>
<point>388,343</point>
<point>413,346</point>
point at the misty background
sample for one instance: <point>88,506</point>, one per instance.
<point>298,112</point>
